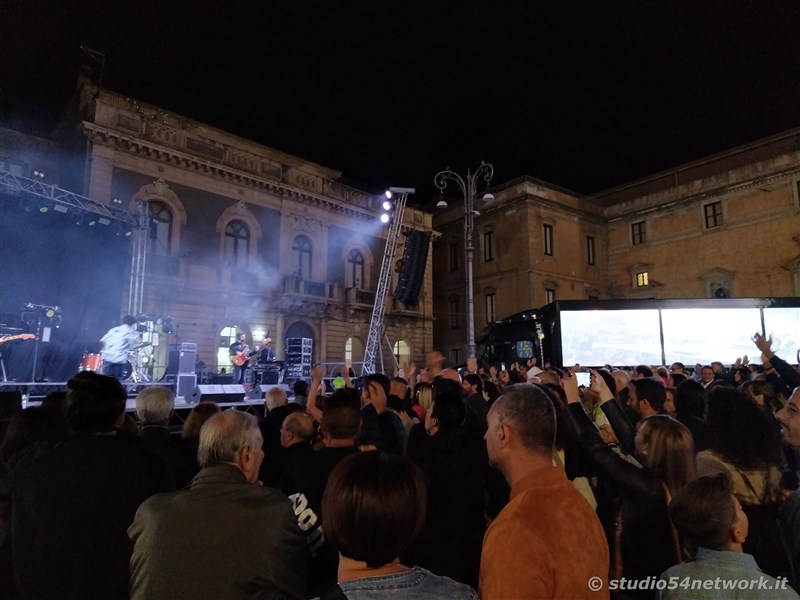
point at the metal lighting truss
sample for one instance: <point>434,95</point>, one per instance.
<point>16,184</point>
<point>373,345</point>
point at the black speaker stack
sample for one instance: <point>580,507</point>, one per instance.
<point>415,257</point>
<point>298,359</point>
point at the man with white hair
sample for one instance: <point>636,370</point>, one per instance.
<point>154,407</point>
<point>223,536</point>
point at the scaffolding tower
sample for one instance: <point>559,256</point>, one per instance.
<point>373,346</point>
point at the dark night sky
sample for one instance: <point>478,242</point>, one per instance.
<point>585,95</point>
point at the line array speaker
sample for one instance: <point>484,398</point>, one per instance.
<point>415,257</point>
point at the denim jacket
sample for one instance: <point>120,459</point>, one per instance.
<point>416,584</point>
<point>712,571</point>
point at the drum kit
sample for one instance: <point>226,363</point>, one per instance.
<point>132,373</point>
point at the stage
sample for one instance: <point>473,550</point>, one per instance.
<point>241,397</point>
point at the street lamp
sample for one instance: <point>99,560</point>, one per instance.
<point>468,188</point>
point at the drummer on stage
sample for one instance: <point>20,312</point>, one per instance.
<point>116,344</point>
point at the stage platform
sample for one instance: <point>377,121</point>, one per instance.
<point>226,396</point>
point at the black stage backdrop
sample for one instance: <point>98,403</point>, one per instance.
<point>47,259</point>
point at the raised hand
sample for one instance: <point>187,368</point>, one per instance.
<point>763,344</point>
<point>600,387</point>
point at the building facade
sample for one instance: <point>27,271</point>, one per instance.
<point>724,226</point>
<point>239,237</point>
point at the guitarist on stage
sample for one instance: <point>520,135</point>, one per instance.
<point>240,354</point>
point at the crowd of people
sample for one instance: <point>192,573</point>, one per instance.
<point>500,483</point>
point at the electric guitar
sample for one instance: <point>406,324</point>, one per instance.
<point>242,357</point>
<point>22,336</point>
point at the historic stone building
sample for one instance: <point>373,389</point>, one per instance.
<point>240,237</point>
<point>726,225</point>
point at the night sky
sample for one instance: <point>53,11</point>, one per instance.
<point>585,95</point>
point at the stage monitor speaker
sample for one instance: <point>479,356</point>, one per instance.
<point>415,257</point>
<point>185,385</point>
<point>182,358</point>
<point>258,392</point>
<point>216,393</point>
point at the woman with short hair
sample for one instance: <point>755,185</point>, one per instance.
<point>375,506</point>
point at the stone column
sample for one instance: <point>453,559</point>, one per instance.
<point>101,172</point>
<point>280,351</point>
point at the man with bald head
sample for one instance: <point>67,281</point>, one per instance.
<point>245,541</point>
<point>546,517</point>
<point>276,408</point>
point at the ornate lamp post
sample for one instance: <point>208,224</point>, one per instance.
<point>468,186</point>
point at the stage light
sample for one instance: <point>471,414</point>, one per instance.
<point>60,208</point>
<point>387,205</point>
<point>388,194</point>
<point>38,173</point>
<point>104,221</point>
<point>92,221</point>
<point>384,218</point>
<point>116,201</point>
<point>44,208</point>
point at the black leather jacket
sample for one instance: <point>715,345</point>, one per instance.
<point>646,542</point>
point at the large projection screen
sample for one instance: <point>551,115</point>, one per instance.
<point>615,337</point>
<point>703,335</point>
<point>783,324</point>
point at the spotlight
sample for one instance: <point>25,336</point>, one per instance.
<point>388,194</point>
<point>387,205</point>
<point>38,173</point>
<point>116,201</point>
<point>92,221</point>
<point>384,218</point>
<point>44,208</point>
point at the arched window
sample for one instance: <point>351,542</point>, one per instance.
<point>237,243</point>
<point>402,352</point>
<point>354,276</point>
<point>159,228</point>
<point>301,250</point>
<point>353,352</point>
<point>226,337</point>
